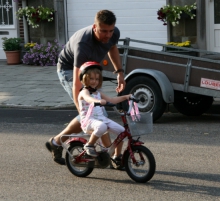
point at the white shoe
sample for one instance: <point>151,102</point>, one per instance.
<point>90,150</point>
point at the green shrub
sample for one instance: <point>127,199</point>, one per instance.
<point>11,44</point>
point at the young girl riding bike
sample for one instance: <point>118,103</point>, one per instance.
<point>92,118</point>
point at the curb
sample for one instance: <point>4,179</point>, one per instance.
<point>64,107</point>
<point>215,108</point>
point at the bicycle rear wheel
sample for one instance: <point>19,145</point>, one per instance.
<point>145,166</point>
<point>81,169</point>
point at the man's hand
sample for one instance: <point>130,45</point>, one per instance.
<point>121,83</point>
<point>116,61</point>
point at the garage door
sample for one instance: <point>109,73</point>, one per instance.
<point>135,19</point>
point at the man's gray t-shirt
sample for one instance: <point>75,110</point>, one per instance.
<point>83,47</point>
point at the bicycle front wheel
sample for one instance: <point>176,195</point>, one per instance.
<point>144,168</point>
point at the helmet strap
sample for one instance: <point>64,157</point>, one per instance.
<point>90,89</point>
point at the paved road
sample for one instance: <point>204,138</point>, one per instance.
<point>186,151</point>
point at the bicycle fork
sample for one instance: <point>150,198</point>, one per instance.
<point>134,161</point>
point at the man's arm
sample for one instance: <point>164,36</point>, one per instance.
<point>116,61</point>
<point>77,85</point>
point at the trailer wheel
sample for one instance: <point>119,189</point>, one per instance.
<point>192,104</point>
<point>149,93</point>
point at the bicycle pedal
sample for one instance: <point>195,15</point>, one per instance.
<point>86,156</point>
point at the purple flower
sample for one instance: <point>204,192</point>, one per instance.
<point>43,55</point>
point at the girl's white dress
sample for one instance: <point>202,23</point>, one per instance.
<point>97,123</point>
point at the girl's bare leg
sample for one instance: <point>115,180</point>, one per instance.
<point>118,149</point>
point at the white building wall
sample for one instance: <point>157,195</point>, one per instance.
<point>136,19</point>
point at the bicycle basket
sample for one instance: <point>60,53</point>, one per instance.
<point>140,124</point>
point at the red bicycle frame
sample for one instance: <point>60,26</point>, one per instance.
<point>115,143</point>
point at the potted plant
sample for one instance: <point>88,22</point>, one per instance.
<point>186,44</point>
<point>179,44</point>
<point>12,48</point>
<point>173,14</point>
<point>36,15</point>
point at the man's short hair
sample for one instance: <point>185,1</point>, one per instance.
<point>105,17</point>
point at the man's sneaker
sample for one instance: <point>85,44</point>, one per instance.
<point>56,152</point>
<point>90,150</point>
<point>116,164</point>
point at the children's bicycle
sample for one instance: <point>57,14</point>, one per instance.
<point>137,159</point>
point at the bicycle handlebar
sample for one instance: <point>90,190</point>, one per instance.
<point>132,98</point>
<point>108,104</point>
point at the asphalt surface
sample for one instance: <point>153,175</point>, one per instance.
<point>186,151</point>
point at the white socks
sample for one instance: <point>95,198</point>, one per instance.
<point>54,143</point>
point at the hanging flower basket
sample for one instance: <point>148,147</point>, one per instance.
<point>36,15</point>
<point>173,14</point>
<point>184,15</point>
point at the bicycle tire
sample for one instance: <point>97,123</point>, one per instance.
<point>145,171</point>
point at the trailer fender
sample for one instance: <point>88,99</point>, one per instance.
<point>162,80</point>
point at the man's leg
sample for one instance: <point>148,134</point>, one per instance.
<point>73,127</point>
<point>54,144</point>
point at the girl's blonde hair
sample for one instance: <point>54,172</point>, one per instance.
<point>86,77</point>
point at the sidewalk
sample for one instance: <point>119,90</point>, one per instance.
<point>35,87</point>
<point>25,86</point>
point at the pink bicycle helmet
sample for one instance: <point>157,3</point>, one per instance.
<point>89,65</point>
